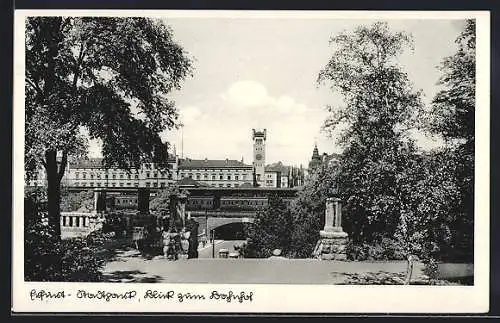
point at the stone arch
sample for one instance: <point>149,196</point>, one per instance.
<point>214,223</point>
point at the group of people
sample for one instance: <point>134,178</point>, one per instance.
<point>175,244</point>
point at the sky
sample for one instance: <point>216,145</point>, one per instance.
<point>261,73</point>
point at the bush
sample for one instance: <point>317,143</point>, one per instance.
<point>431,269</point>
<point>271,230</point>
<point>241,248</point>
<point>386,249</point>
<point>48,258</point>
<point>77,202</point>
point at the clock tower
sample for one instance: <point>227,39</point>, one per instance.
<point>259,155</point>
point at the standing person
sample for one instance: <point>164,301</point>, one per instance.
<point>204,239</point>
<point>166,242</point>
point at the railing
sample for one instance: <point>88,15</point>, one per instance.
<point>224,214</point>
<point>79,223</point>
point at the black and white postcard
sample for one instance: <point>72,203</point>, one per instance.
<point>251,161</point>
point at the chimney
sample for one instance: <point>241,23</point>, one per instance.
<point>206,160</point>
<point>227,160</point>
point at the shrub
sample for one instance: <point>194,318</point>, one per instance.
<point>271,230</point>
<point>431,269</point>
<point>386,249</point>
<point>48,258</point>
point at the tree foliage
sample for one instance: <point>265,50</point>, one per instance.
<point>452,116</point>
<point>271,230</point>
<point>379,106</point>
<point>77,202</point>
<point>308,209</point>
<point>453,108</point>
<point>161,201</point>
<point>109,76</point>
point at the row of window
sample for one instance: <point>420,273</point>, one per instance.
<point>243,202</point>
<point>126,201</point>
<point>121,184</point>
<point>122,176</point>
<point>214,177</point>
<point>147,184</point>
<point>200,202</point>
<point>227,185</point>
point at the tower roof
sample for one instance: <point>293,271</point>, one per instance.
<point>315,155</point>
<point>257,133</point>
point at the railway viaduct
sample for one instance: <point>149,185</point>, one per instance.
<point>208,220</point>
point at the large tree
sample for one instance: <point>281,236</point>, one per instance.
<point>453,107</point>
<point>379,106</point>
<point>452,116</point>
<point>109,76</point>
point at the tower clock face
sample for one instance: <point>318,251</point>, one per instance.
<point>258,156</point>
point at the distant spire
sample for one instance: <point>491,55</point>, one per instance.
<point>315,155</point>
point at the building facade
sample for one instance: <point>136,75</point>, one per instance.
<point>216,173</point>
<point>277,175</point>
<point>92,173</point>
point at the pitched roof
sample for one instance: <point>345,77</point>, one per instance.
<point>277,167</point>
<point>87,163</point>
<point>188,163</point>
<point>95,162</point>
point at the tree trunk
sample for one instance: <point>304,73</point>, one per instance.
<point>409,269</point>
<point>53,192</point>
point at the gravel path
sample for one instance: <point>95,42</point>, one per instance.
<point>131,267</point>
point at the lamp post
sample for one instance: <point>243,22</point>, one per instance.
<point>206,225</point>
<point>213,243</point>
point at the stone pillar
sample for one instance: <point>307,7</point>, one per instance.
<point>182,208</point>
<point>66,221</point>
<point>100,200</point>
<point>333,240</point>
<point>81,221</point>
<point>172,221</point>
<point>329,215</point>
<point>143,200</point>
<point>61,219</point>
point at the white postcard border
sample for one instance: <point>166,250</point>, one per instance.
<point>271,298</point>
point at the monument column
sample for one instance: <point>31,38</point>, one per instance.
<point>333,239</point>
